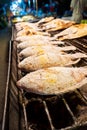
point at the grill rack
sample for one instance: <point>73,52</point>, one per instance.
<point>68,114</point>
<point>27,100</point>
<point>73,120</point>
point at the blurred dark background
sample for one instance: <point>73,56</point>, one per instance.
<point>4,1</point>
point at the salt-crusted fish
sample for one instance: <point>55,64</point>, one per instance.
<point>45,20</point>
<point>37,42</point>
<point>49,60</point>
<point>75,31</point>
<point>19,26</point>
<point>38,50</point>
<point>54,80</point>
<point>34,37</point>
<point>57,24</point>
<point>26,25</point>
<point>27,32</point>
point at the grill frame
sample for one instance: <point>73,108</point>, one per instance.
<point>22,101</point>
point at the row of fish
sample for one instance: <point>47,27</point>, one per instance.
<point>48,66</point>
<point>69,30</point>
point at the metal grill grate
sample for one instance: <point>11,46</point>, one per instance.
<point>61,112</point>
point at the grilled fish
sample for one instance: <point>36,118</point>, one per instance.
<point>54,80</point>
<point>75,31</point>
<point>37,42</point>
<point>57,24</point>
<point>22,25</point>
<point>34,37</point>
<point>38,50</point>
<point>49,60</point>
<point>25,25</point>
<point>27,32</point>
<point>45,20</point>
